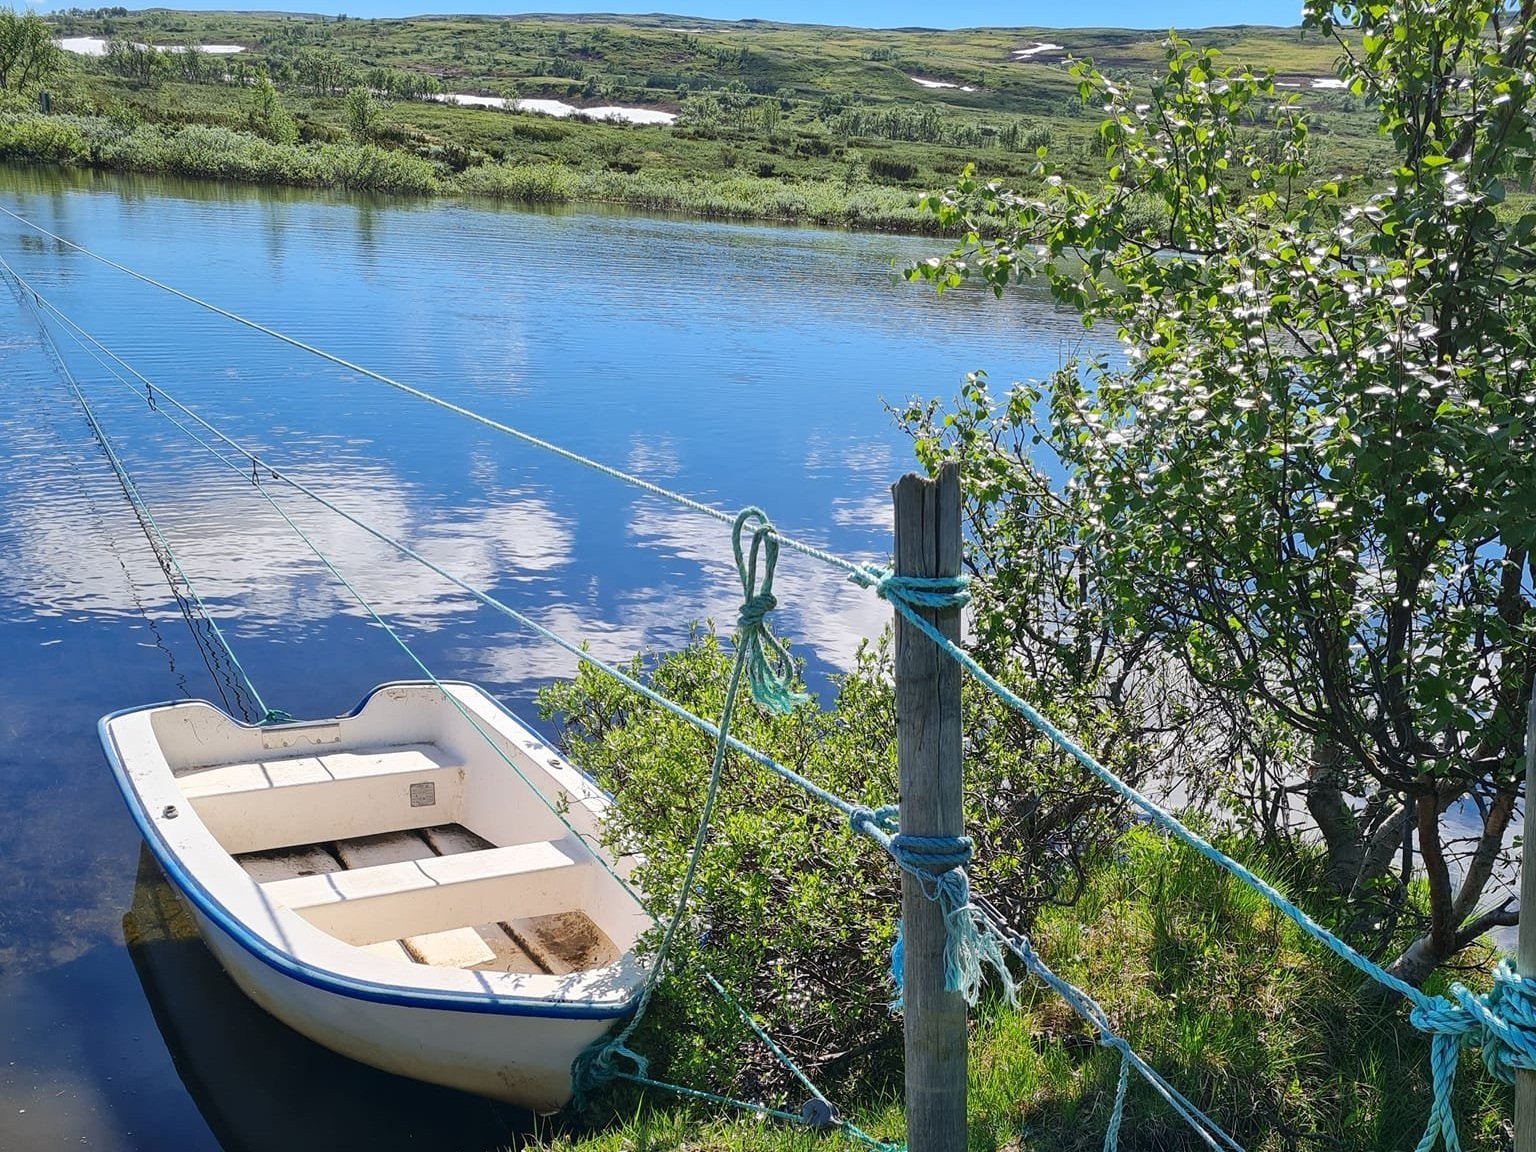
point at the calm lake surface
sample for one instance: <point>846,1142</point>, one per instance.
<point>740,364</point>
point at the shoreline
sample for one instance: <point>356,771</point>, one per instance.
<point>226,155</point>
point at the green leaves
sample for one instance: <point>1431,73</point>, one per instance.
<point>1312,483</point>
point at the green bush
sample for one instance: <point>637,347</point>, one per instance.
<point>891,168</point>
<point>793,912</point>
<point>522,183</point>
<point>40,138</point>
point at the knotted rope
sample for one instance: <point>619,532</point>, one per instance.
<point>1501,1023</point>
<point>770,671</point>
<point>937,863</point>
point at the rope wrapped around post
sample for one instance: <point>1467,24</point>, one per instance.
<point>937,862</point>
<point>1501,1024</point>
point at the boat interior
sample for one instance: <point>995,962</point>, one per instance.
<point>430,850</point>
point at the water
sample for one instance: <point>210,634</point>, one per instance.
<point>739,364</point>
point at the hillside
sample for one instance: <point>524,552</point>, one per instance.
<point>823,115</point>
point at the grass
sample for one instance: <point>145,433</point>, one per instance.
<point>1263,1030</point>
<point>850,139</point>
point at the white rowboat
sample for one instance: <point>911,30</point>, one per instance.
<point>388,884</point>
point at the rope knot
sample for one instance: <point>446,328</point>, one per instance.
<point>1502,1024</point>
<point>755,609</point>
<point>770,671</point>
<point>938,863</point>
<point>870,821</point>
<point>914,591</point>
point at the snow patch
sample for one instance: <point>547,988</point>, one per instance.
<point>97,46</point>
<point>560,108</point>
<point>83,45</point>
<point>1040,46</point>
<point>940,84</point>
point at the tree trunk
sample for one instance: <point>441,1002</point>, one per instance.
<point>1334,819</point>
<point>1416,963</point>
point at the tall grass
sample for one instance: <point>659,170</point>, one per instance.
<point>208,151</point>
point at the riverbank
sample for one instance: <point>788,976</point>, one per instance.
<point>219,153</point>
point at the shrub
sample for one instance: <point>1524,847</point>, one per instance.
<point>32,137</point>
<point>522,183</point>
<point>890,168</point>
<point>793,912</point>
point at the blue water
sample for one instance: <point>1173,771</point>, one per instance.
<point>739,364</point>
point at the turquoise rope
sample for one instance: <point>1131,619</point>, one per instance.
<point>633,481</point>
<point>1090,1011</point>
<point>755,648</point>
<point>140,505</point>
<point>1502,1023</point>
<point>769,668</point>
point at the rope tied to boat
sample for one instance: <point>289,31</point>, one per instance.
<point>769,671</point>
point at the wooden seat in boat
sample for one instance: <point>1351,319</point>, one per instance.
<point>415,897</point>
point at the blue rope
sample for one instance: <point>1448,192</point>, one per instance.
<point>770,671</point>
<point>277,716</point>
<point>938,863</point>
<point>1090,1011</point>
<point>595,1067</point>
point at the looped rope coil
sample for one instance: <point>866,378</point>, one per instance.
<point>770,671</point>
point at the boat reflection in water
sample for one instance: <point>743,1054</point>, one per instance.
<point>262,1087</point>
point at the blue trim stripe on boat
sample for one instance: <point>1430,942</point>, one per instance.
<point>328,981</point>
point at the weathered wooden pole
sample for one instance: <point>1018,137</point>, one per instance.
<point>1525,949</point>
<point>928,763</point>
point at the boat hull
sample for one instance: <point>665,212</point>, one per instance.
<point>400,961</point>
<point>519,1059</point>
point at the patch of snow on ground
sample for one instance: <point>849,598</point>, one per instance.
<point>629,115</point>
<point>1328,82</point>
<point>96,46</point>
<point>940,84</point>
<point>1040,46</point>
<point>83,45</point>
<point>560,108</point>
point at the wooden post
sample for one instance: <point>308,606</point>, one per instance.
<point>928,761</point>
<point>1525,949</point>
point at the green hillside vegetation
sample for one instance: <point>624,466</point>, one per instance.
<point>773,121</point>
